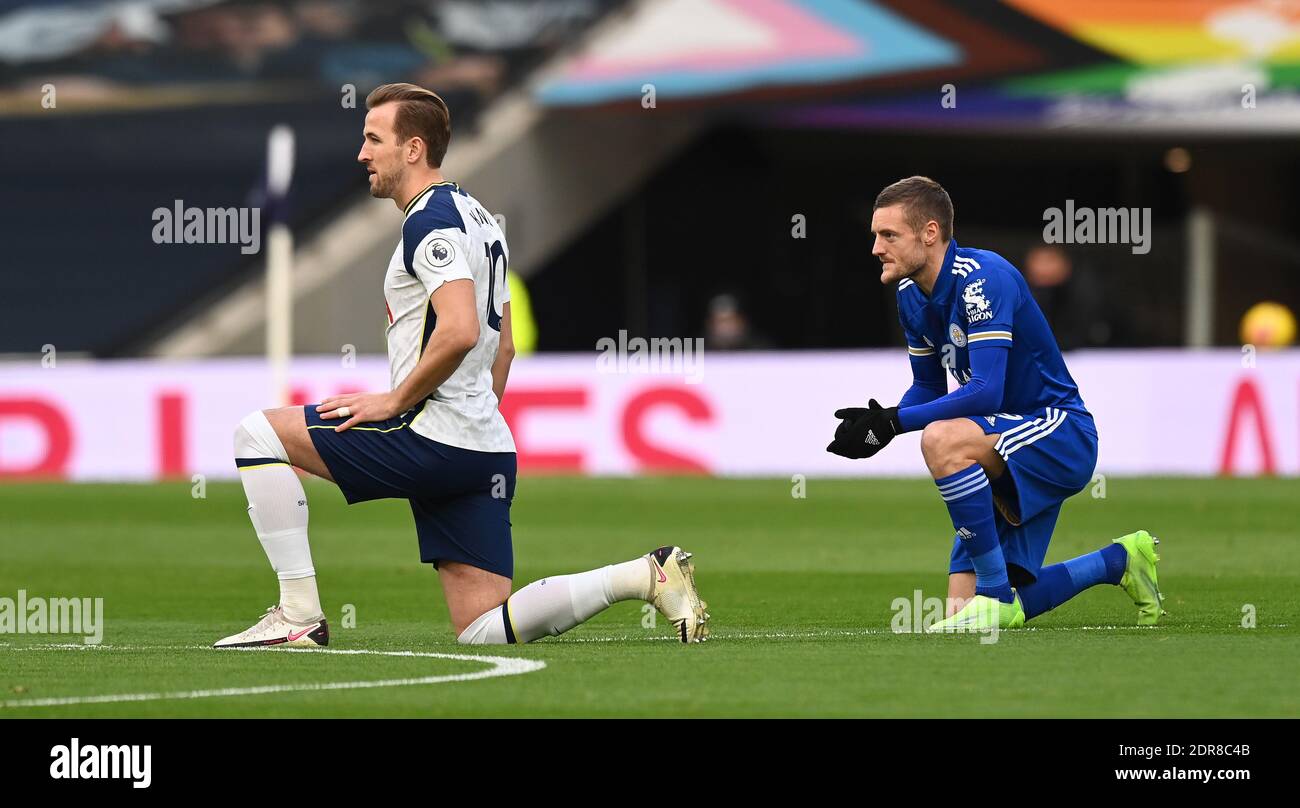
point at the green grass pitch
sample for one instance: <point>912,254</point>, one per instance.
<point>800,590</point>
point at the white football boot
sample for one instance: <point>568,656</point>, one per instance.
<point>675,595</point>
<point>275,629</point>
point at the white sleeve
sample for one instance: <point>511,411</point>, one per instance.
<point>440,257</point>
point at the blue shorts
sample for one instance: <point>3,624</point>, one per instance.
<point>1050,456</point>
<point>460,498</point>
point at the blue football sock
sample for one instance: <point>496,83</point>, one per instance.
<point>970,504</point>
<point>1060,582</point>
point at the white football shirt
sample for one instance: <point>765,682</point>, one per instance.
<point>449,236</point>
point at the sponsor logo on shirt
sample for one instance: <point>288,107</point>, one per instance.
<point>978,308</point>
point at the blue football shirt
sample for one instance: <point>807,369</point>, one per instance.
<point>980,302</point>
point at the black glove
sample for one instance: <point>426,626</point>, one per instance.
<point>863,432</point>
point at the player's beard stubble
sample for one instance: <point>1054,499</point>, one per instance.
<point>384,184</point>
<point>900,269</point>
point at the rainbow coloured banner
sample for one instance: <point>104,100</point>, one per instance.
<point>697,48</point>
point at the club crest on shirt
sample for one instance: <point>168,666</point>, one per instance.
<point>978,308</point>
<point>957,336</point>
<point>440,252</point>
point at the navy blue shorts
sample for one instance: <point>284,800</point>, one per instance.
<point>460,498</point>
<point>1050,456</point>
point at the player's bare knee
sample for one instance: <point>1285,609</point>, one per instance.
<point>286,422</point>
<point>465,615</point>
<point>946,448</point>
<point>937,439</point>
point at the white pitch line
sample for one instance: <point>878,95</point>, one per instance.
<point>501,666</point>
<point>576,638</point>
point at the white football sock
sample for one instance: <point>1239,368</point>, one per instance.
<point>554,605</point>
<point>488,629</point>
<point>300,600</point>
<point>277,506</point>
<point>631,580</point>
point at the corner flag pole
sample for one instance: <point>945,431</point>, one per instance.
<point>279,263</point>
<point>1198,331</point>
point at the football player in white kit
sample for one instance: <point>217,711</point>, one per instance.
<point>437,437</point>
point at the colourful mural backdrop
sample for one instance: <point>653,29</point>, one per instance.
<point>699,48</point>
<point>1160,32</point>
<point>1208,66</point>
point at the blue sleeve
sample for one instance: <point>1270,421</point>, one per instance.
<point>980,396</point>
<point>929,381</point>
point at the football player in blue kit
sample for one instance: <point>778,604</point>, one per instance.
<point>1010,444</point>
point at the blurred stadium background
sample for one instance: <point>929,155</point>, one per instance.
<point>663,168</point>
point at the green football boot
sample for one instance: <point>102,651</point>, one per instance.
<point>982,613</point>
<point>1139,579</point>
